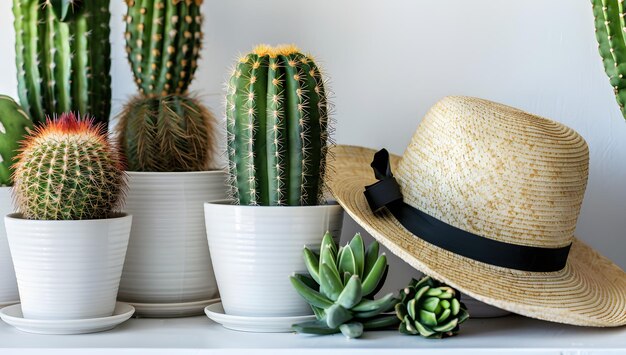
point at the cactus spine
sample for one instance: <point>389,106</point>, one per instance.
<point>163,41</point>
<point>63,57</point>
<point>277,125</point>
<point>175,133</point>
<point>610,26</point>
<point>14,125</point>
<point>68,170</point>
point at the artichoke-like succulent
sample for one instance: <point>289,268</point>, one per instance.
<point>341,287</point>
<point>430,309</point>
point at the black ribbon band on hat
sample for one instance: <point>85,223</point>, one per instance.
<point>386,193</point>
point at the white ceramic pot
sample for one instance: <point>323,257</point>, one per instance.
<point>8,284</point>
<point>68,270</point>
<point>255,250</point>
<point>168,259</point>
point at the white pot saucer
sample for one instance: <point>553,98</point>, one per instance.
<point>8,303</point>
<point>12,315</point>
<point>253,324</point>
<point>171,310</point>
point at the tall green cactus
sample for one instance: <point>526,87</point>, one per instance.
<point>63,57</point>
<point>163,41</point>
<point>277,124</point>
<point>14,125</point>
<point>610,33</point>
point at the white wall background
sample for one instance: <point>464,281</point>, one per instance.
<point>391,60</point>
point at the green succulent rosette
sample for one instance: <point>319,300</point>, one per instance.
<point>430,309</point>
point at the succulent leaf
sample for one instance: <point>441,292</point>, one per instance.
<point>336,315</point>
<point>375,276</point>
<point>456,306</point>
<point>443,316</point>
<point>422,329</point>
<point>351,330</point>
<point>351,294</point>
<point>358,251</point>
<point>389,302</point>
<point>314,327</point>
<point>401,311</point>
<point>330,284</point>
<point>367,305</point>
<point>371,256</point>
<point>307,280</point>
<point>380,322</point>
<point>347,262</point>
<point>431,304</point>
<point>312,264</point>
<point>310,295</point>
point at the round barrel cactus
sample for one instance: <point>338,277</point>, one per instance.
<point>166,133</point>
<point>277,124</point>
<point>14,125</point>
<point>68,170</point>
<point>163,41</point>
<point>63,57</point>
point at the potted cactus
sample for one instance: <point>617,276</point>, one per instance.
<point>277,124</point>
<point>63,57</point>
<point>68,240</point>
<point>168,138</point>
<point>14,125</point>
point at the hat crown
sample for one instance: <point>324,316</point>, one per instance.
<point>497,172</point>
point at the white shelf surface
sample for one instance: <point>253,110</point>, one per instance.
<point>199,335</point>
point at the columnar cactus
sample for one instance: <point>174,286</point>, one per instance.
<point>341,288</point>
<point>68,170</point>
<point>430,309</point>
<point>14,125</point>
<point>63,57</point>
<point>277,124</point>
<point>163,41</point>
<point>169,133</point>
<point>165,129</point>
<point>610,27</point>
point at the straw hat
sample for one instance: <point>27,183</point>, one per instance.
<point>496,192</point>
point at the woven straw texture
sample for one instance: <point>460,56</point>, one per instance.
<point>504,174</point>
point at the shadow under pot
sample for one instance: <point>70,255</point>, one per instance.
<point>8,284</point>
<point>168,271</point>
<point>256,248</point>
<point>68,269</point>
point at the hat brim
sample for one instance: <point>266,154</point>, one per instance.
<point>589,291</point>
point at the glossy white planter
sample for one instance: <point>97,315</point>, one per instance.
<point>255,250</point>
<point>168,259</point>
<point>8,284</point>
<point>68,269</point>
